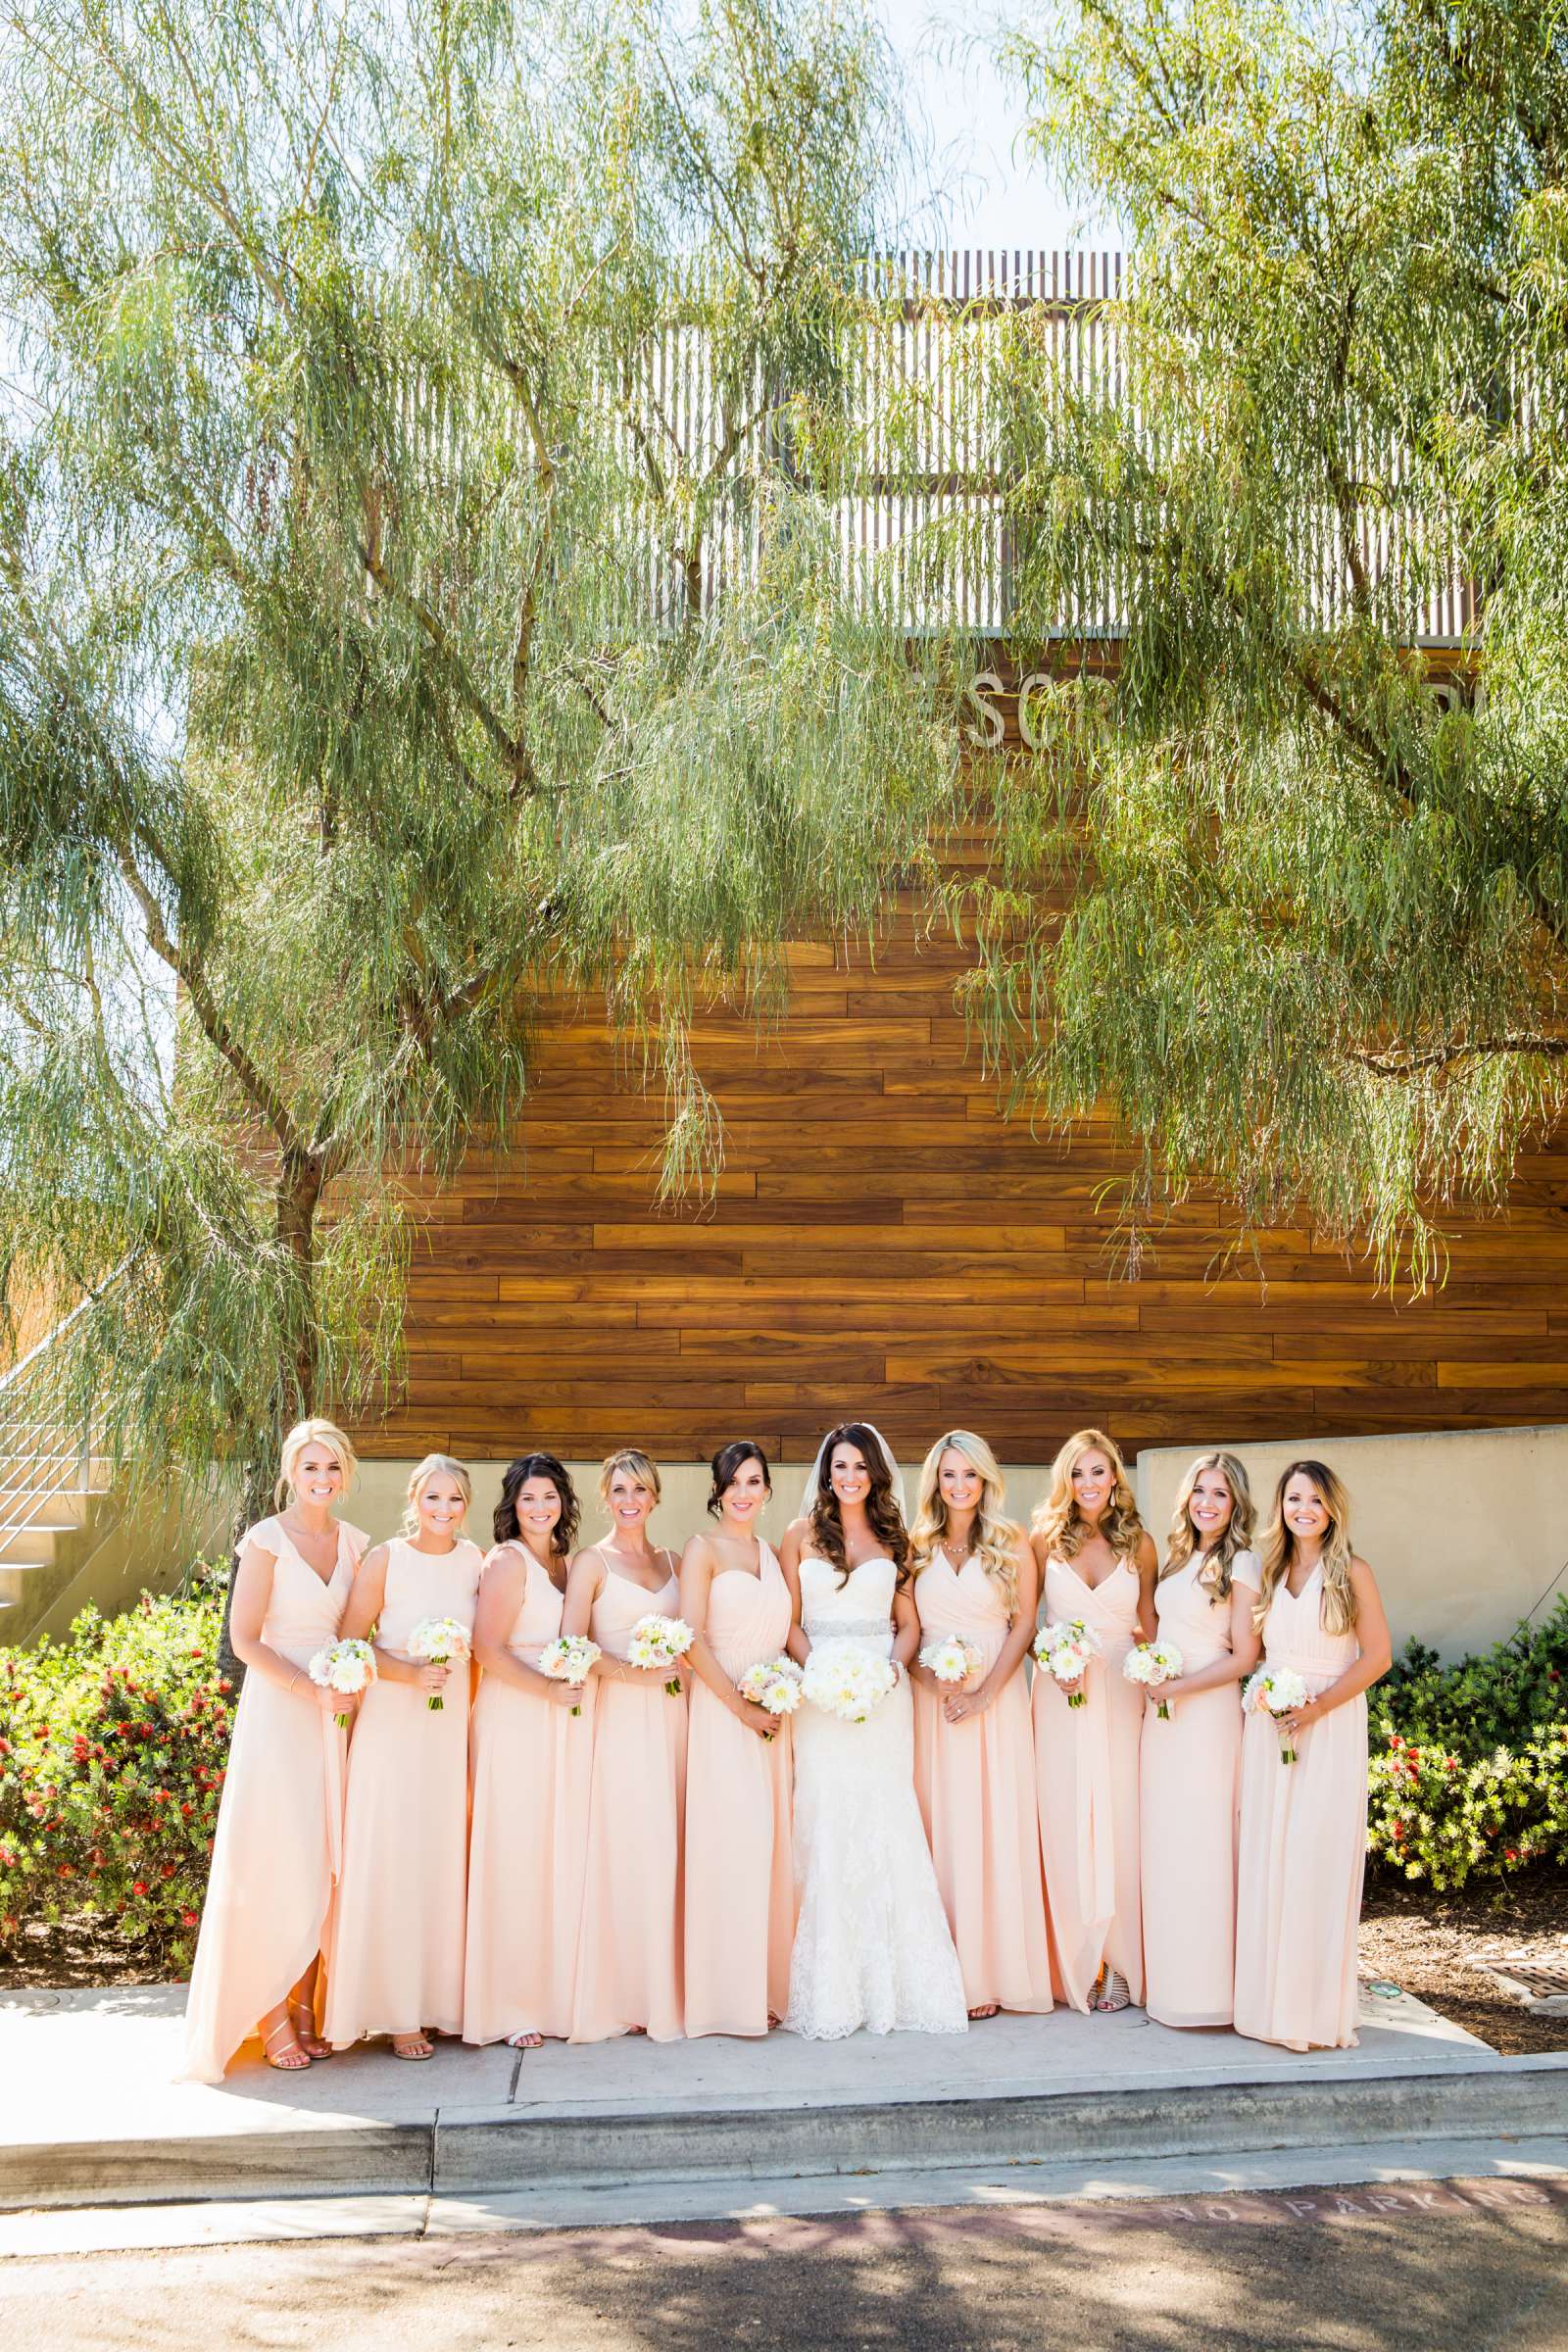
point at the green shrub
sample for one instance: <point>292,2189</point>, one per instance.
<point>1469,1766</point>
<point>113,1749</point>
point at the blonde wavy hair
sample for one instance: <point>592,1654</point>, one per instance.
<point>434,1465</point>
<point>1057,1520</point>
<point>315,1432</point>
<point>1237,1538</point>
<point>629,1457</point>
<point>1278,1550</point>
<point>995,1536</point>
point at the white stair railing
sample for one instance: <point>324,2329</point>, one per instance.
<point>46,1447</point>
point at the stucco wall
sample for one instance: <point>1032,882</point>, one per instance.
<point>1466,1530</point>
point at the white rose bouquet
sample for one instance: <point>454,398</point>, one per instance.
<point>1065,1650</point>
<point>438,1641</point>
<point>656,1641</point>
<point>847,1680</point>
<point>775,1683</point>
<point>568,1659</point>
<point>951,1661</point>
<point>348,1667</point>
<point>1277,1691</point>
<point>1152,1663</point>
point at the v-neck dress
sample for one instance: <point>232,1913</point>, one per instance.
<point>975,1781</point>
<point>740,1868</point>
<point>629,1944</point>
<point>277,1848</point>
<point>1086,1770</point>
<point>1302,1845</point>
<point>1191,1785</point>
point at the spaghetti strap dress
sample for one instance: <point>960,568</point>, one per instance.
<point>1086,1768</point>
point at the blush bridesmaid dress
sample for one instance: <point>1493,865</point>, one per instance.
<point>629,1947</point>
<point>1190,1781</point>
<point>975,1781</point>
<point>530,1761</point>
<point>279,1843</point>
<point>396,1959</point>
<point>1302,1845</point>
<point>739,1866</point>
<point>1086,1772</point>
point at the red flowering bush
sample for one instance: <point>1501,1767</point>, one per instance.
<point>113,1749</point>
<point>1469,1767</point>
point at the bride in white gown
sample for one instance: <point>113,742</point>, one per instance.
<point>871,1947</point>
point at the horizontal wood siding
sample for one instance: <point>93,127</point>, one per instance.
<point>884,1241</point>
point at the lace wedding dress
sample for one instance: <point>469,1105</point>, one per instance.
<point>872,1948</point>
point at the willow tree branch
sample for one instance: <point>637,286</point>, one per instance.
<point>1440,1057</point>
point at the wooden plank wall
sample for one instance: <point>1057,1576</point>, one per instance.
<point>884,1243</point>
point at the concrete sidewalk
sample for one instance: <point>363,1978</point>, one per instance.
<point>90,2115</point>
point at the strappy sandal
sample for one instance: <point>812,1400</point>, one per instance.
<point>290,2059</point>
<point>302,2017</point>
<point>413,2057</point>
<point>1115,1993</point>
<point>526,2042</point>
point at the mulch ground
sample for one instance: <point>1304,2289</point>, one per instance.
<point>1429,1943</point>
<point>1426,1944</point>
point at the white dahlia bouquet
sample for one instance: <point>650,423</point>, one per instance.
<point>1277,1691</point>
<point>656,1642</point>
<point>776,1684</point>
<point>568,1659</point>
<point>347,1667</point>
<point>951,1660</point>
<point>847,1680</point>
<point>1065,1650</point>
<point>438,1641</point>
<point>1152,1663</point>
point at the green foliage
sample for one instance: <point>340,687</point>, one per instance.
<point>113,1749</point>
<point>1469,1766</point>
<point>402,624</point>
<point>1317,930</point>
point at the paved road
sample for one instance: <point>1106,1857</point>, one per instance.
<point>1479,2267</point>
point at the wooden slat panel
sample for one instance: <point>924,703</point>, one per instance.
<point>883,1241</point>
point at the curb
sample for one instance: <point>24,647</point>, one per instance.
<point>493,2151</point>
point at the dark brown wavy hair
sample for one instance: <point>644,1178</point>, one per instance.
<point>564,1535</point>
<point>881,1505</point>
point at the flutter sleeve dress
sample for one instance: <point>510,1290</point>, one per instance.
<point>278,1844</point>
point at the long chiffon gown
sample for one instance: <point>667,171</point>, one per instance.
<point>396,1957</point>
<point>629,1946</point>
<point>975,1781</point>
<point>740,1870</point>
<point>1303,1847</point>
<point>1191,1782</point>
<point>279,1843</point>
<point>1085,1767</point>
<point>529,1763</point>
